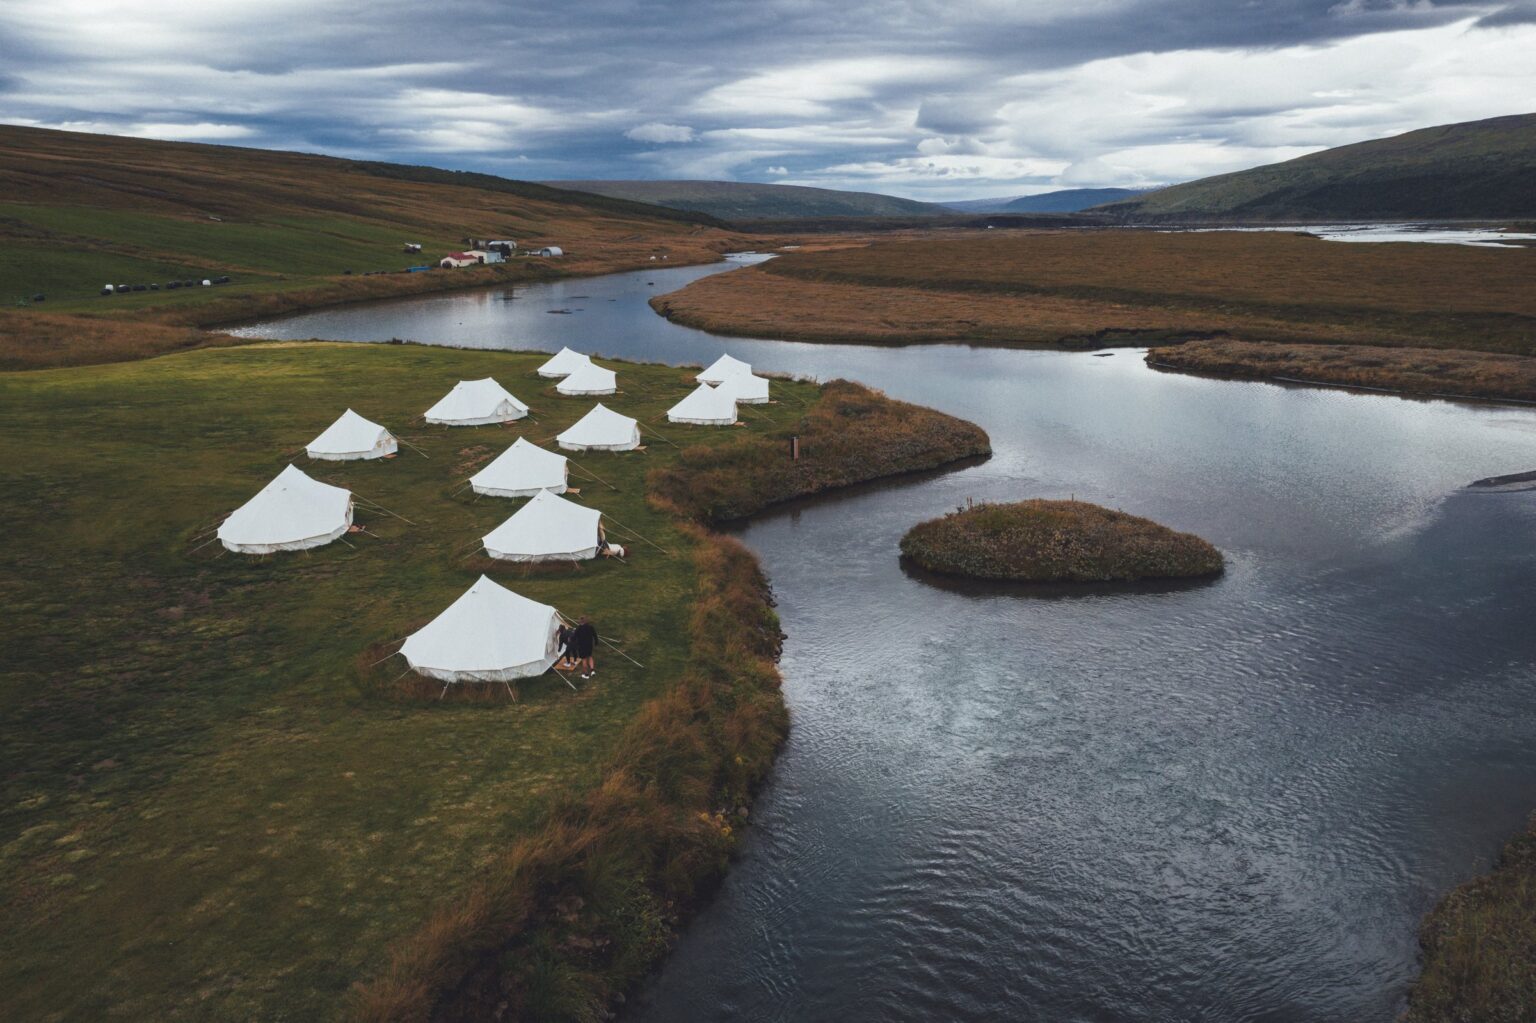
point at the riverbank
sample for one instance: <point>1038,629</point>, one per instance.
<point>206,730</point>
<point>1479,946</point>
<point>1056,541</point>
<point>1093,289</point>
<point>1426,372</point>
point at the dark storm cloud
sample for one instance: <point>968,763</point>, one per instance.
<point>636,88</point>
<point>1515,14</point>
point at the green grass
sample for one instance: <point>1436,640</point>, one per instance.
<point>209,810</point>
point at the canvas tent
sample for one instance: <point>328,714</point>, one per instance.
<point>746,388</point>
<point>602,429</point>
<point>563,363</point>
<point>722,368</point>
<point>547,528</point>
<point>523,470</point>
<point>475,403</point>
<point>589,379</point>
<point>352,437</point>
<point>292,513</point>
<point>489,634</point>
<point>705,406</point>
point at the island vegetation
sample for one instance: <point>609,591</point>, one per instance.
<point>1253,300</point>
<point>218,730</point>
<point>1430,372</point>
<point>1056,541</point>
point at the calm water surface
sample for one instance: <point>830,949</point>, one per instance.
<point>1231,801</point>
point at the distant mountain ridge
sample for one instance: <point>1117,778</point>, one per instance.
<point>745,200</point>
<point>1469,171</point>
<point>1065,200</point>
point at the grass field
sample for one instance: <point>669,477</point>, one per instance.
<point>210,811</point>
<point>1049,286</point>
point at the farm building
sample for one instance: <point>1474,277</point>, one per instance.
<point>505,246</point>
<point>458,259</point>
<point>549,250</point>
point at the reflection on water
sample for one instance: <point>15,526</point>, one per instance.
<point>1229,801</point>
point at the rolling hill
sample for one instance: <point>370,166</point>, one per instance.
<point>1065,200</point>
<point>1472,170</point>
<point>80,210</point>
<point>744,200</point>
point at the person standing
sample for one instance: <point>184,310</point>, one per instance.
<point>583,645</point>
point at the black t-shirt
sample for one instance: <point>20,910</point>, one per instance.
<point>583,639</point>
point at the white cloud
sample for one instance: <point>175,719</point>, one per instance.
<point>658,131</point>
<point>203,131</point>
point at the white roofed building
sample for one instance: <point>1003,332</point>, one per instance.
<point>352,437</point>
<point>704,406</point>
<point>523,470</point>
<point>476,403</point>
<point>292,513</point>
<point>602,429</point>
<point>489,634</point>
<point>746,388</point>
<point>563,363</point>
<point>721,368</point>
<point>589,379</point>
<point>547,528</point>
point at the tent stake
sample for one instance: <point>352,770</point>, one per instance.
<point>626,529</point>
<point>594,475</point>
<point>621,653</point>
<point>380,507</point>
<point>652,430</point>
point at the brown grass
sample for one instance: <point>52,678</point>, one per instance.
<point>1056,541</point>
<point>571,915</point>
<point>1082,287</point>
<point>1420,371</point>
<point>1480,946</point>
<point>852,435</point>
<point>44,341</point>
<point>754,303</point>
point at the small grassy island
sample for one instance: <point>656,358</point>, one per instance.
<point>1056,541</point>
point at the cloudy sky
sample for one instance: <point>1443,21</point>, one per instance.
<point>927,98</point>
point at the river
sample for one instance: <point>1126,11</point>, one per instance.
<point>1228,801</point>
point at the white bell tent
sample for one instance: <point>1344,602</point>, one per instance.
<point>746,388</point>
<point>721,368</point>
<point>292,513</point>
<point>602,429</point>
<point>489,634</point>
<point>523,470</point>
<point>705,406</point>
<point>476,403</point>
<point>589,379</point>
<point>352,437</point>
<point>563,363</point>
<point>547,528</point>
